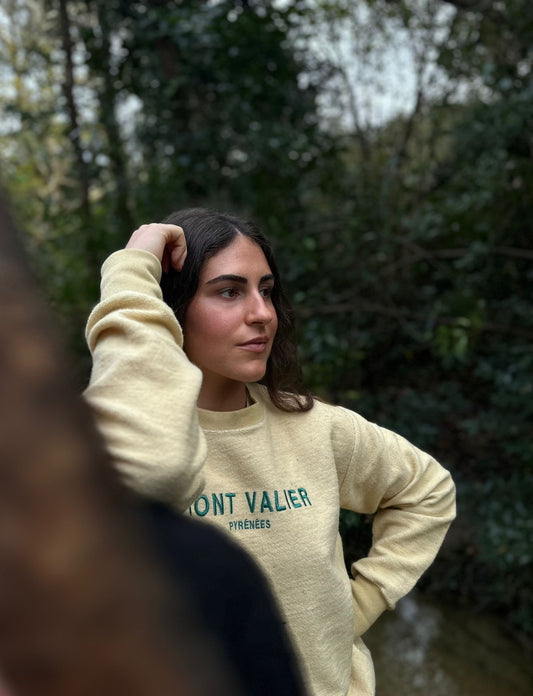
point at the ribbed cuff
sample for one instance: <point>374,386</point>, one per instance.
<point>369,604</point>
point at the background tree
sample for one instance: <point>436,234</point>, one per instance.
<point>429,324</point>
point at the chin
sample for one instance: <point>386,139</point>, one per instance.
<point>252,375</point>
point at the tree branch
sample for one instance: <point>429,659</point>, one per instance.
<point>400,314</point>
<point>453,253</point>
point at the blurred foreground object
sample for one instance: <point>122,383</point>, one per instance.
<point>85,607</point>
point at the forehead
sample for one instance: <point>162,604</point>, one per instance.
<point>241,257</point>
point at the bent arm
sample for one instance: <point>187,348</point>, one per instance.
<point>143,389</point>
<point>413,499</point>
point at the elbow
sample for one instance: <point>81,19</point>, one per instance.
<point>448,496</point>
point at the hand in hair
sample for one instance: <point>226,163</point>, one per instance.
<point>167,242</point>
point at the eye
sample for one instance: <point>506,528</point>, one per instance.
<point>266,292</point>
<point>229,293</point>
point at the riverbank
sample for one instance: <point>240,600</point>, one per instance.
<point>424,649</point>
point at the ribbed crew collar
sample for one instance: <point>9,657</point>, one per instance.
<point>235,420</point>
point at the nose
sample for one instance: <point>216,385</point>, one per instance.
<point>260,310</point>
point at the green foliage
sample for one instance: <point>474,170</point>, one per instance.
<point>497,558</point>
<point>422,317</point>
<point>222,115</point>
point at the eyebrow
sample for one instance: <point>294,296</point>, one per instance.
<point>237,279</point>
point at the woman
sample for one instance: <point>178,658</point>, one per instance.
<point>213,421</point>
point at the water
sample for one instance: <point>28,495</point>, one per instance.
<point>423,649</point>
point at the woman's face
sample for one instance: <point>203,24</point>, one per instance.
<point>231,322</point>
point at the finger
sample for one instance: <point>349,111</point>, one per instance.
<point>156,237</point>
<point>177,257</point>
<point>173,233</point>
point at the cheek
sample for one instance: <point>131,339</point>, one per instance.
<point>205,324</point>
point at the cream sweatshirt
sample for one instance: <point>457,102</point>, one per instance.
<point>274,481</point>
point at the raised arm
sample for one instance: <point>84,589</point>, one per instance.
<point>143,389</point>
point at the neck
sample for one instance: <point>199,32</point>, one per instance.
<point>226,397</point>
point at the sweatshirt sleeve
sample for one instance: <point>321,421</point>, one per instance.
<point>143,389</point>
<point>412,498</point>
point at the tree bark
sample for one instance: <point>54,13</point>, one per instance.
<point>74,133</point>
<point>107,99</point>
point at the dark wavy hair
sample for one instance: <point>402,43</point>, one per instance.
<point>207,232</point>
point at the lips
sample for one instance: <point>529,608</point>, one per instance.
<point>257,345</point>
